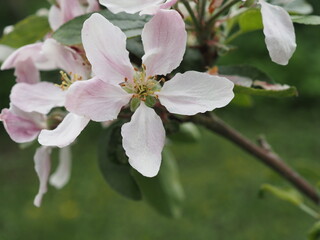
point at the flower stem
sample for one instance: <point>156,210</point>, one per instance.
<point>224,8</point>
<point>268,157</point>
<point>193,17</point>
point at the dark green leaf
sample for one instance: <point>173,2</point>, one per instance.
<point>134,45</point>
<point>114,163</point>
<point>245,71</point>
<point>70,32</point>
<point>314,233</point>
<point>289,92</point>
<point>27,31</point>
<point>255,82</point>
<point>163,192</point>
<point>309,20</point>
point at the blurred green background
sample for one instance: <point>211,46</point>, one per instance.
<point>221,182</point>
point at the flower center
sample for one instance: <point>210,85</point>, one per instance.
<point>67,80</point>
<point>142,86</point>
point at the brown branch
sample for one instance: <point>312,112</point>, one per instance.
<point>267,156</point>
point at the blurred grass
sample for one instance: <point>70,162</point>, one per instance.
<point>221,181</point>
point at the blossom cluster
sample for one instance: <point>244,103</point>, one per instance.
<point>99,81</point>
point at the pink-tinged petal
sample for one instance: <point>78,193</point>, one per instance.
<point>31,51</point>
<point>65,58</point>
<point>40,97</point>
<point>194,92</point>
<point>96,99</point>
<point>27,72</point>
<point>131,6</point>
<point>279,33</point>
<point>22,127</point>
<point>143,140</point>
<point>62,175</point>
<point>66,132</point>
<point>42,166</point>
<point>164,39</point>
<point>105,46</point>
<point>93,5</point>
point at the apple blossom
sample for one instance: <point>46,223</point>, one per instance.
<point>149,7</point>
<point>116,82</point>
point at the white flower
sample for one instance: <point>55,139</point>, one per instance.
<point>116,82</point>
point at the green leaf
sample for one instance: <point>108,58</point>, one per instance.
<point>134,46</point>
<point>289,92</point>
<point>314,232</point>
<point>252,81</point>
<point>163,192</point>
<point>245,71</point>
<point>187,133</point>
<point>242,100</point>
<point>289,195</point>
<point>131,25</point>
<point>308,20</point>
<point>297,7</point>
<point>114,165</point>
<point>27,31</point>
<point>250,20</point>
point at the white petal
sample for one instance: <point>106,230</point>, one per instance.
<point>62,175</point>
<point>129,6</point>
<point>65,58</point>
<point>105,46</point>
<point>66,132</point>
<point>143,140</point>
<point>194,92</point>
<point>279,33</point>
<point>40,97</point>
<point>42,166</point>
<point>152,10</point>
<point>164,39</point>
<point>96,99</point>
<point>55,17</point>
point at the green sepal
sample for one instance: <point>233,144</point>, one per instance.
<point>134,104</point>
<point>150,101</point>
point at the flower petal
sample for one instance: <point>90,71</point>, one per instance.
<point>55,17</point>
<point>96,99</point>
<point>65,58</point>
<point>42,166</point>
<point>22,127</point>
<point>143,140</point>
<point>194,92</point>
<point>279,33</point>
<point>66,132</point>
<point>40,97</point>
<point>132,6</point>
<point>164,39</point>
<point>62,175</point>
<point>33,51</point>
<point>27,72</point>
<point>105,46</point>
